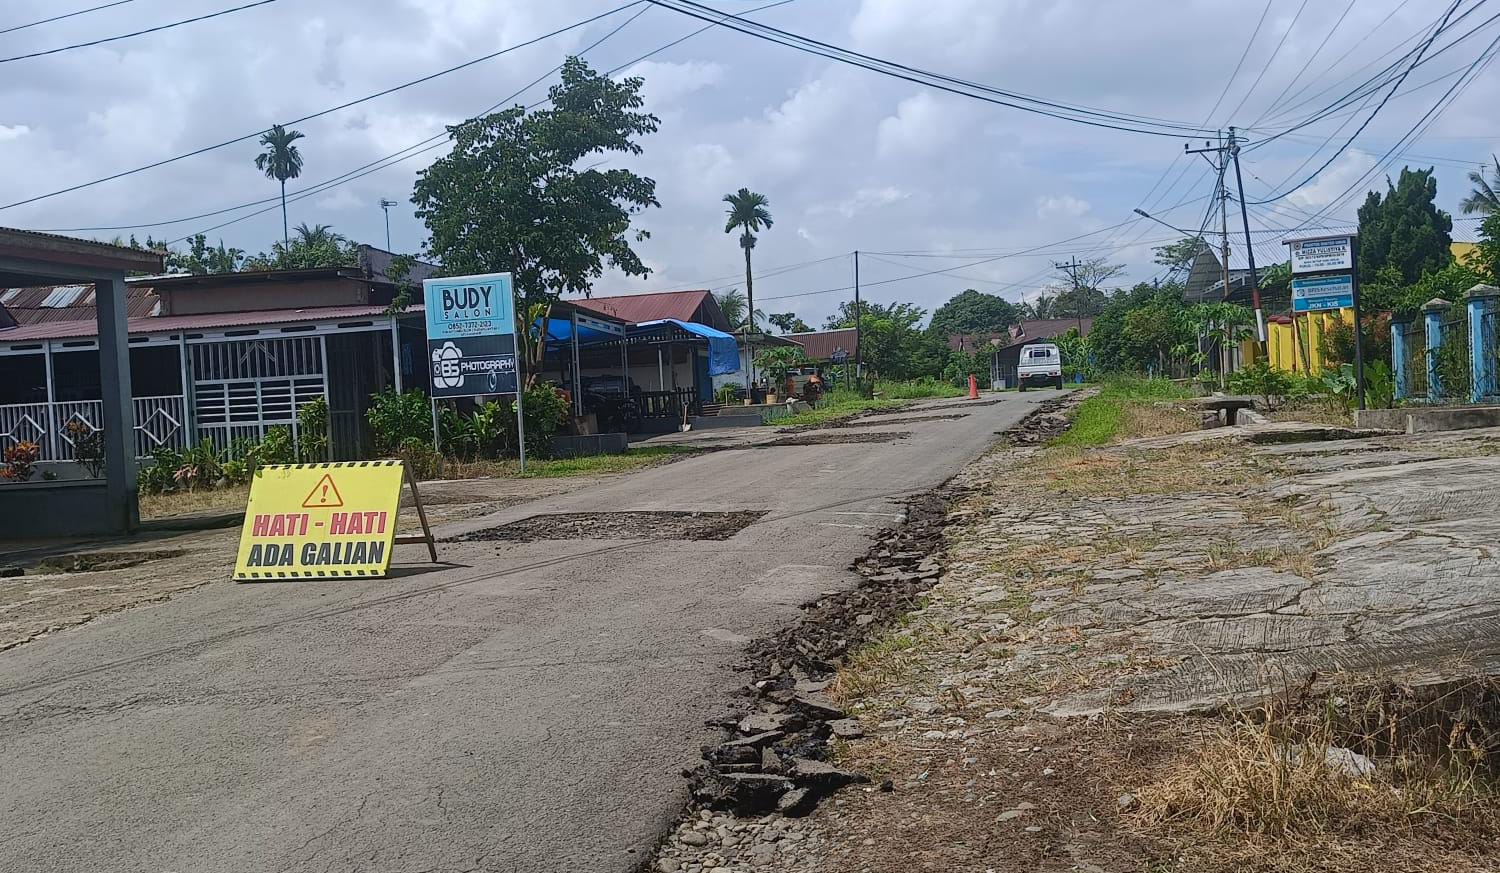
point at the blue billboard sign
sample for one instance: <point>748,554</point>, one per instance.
<point>471,335</point>
<point>1319,293</point>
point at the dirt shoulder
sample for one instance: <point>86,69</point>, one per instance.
<point>1229,649</point>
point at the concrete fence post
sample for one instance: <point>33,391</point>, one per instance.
<point>1482,301</point>
<point>1432,316</point>
<point>1398,359</point>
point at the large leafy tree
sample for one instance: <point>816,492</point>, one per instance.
<point>510,196</point>
<point>973,312</point>
<point>1483,199</point>
<point>1181,254</point>
<point>748,213</point>
<point>1404,230</point>
<point>280,161</point>
<point>892,343</point>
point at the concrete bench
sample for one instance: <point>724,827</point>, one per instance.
<point>1227,406</point>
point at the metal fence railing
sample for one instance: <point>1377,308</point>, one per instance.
<point>1452,361</point>
<point>1414,335</point>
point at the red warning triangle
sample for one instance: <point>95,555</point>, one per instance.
<point>325,495</point>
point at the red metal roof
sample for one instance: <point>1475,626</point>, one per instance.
<point>207,321</point>
<point>49,303</point>
<point>820,344</point>
<point>697,306</point>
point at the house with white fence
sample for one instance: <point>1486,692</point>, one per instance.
<point>216,357</point>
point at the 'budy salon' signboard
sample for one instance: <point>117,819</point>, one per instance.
<point>471,335</point>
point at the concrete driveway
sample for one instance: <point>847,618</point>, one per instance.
<point>526,708</point>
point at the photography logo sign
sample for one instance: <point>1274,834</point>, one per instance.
<point>471,335</point>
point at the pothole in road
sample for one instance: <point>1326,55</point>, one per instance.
<point>918,419</point>
<point>962,404</point>
<point>620,526</point>
<point>86,562</point>
<point>826,439</point>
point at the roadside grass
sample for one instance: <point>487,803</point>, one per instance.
<point>1282,780</point>
<point>837,406</point>
<point>918,389</point>
<point>234,499</point>
<point>1127,407</point>
<point>631,459</point>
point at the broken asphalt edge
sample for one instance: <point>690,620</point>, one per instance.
<point>771,758</point>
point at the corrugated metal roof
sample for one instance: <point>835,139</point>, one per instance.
<point>698,306</point>
<point>54,303</point>
<point>81,328</point>
<point>820,344</point>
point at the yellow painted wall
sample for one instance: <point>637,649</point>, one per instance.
<point>1300,350</point>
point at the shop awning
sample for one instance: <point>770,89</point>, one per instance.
<point>723,351</point>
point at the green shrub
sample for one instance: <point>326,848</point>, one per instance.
<point>420,459</point>
<point>917,389</point>
<point>1261,380</point>
<point>725,395</point>
<point>199,467</point>
<point>545,412</point>
<point>275,448</point>
<point>312,431</point>
<point>396,419</point>
<point>160,476</point>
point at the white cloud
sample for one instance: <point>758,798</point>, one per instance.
<point>1065,206</point>
<point>13,131</point>
<point>1331,184</point>
<point>667,82</point>
<point>340,200</point>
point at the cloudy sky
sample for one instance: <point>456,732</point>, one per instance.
<point>849,159</point>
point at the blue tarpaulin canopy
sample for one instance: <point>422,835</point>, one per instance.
<point>560,332</point>
<point>723,351</point>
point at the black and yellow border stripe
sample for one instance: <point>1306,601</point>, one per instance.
<point>330,465</point>
<point>305,574</point>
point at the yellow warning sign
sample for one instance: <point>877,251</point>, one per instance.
<point>320,520</point>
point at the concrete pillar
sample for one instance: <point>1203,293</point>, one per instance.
<point>119,413</point>
<point>1398,358</point>
<point>1482,301</point>
<point>1432,316</point>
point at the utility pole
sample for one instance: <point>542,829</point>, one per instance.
<point>1223,195</point>
<point>858,317</point>
<point>1260,317</point>
<point>1071,268</point>
<point>385,206</point>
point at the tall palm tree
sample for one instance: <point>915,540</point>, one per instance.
<point>748,213</point>
<point>280,161</point>
<point>317,235</point>
<point>732,304</point>
<point>1483,198</point>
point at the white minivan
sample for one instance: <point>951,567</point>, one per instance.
<point>1040,364</point>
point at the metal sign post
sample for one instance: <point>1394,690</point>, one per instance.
<point>471,342</point>
<point>1325,277</point>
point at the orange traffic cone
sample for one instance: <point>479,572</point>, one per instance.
<point>973,387</point>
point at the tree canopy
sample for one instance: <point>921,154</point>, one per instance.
<point>510,196</point>
<point>891,343</point>
<point>309,248</point>
<point>1404,230</point>
<point>973,312</point>
<point>788,322</point>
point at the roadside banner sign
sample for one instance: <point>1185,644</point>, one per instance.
<point>1322,254</point>
<point>320,520</point>
<point>471,335</point>
<point>1318,293</point>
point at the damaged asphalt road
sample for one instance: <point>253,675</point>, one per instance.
<point>528,706</point>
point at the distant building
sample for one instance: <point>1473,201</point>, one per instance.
<point>1006,359</point>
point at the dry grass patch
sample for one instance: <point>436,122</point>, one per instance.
<point>1338,780</point>
<point>1214,469</point>
<point>206,502</point>
<point>1157,419</point>
<point>1314,412</point>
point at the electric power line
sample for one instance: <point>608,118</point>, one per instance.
<point>205,149</point>
<point>161,27</point>
<point>960,87</point>
<point>16,27</point>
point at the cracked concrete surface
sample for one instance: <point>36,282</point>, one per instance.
<point>525,707</point>
<point>1352,556</point>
